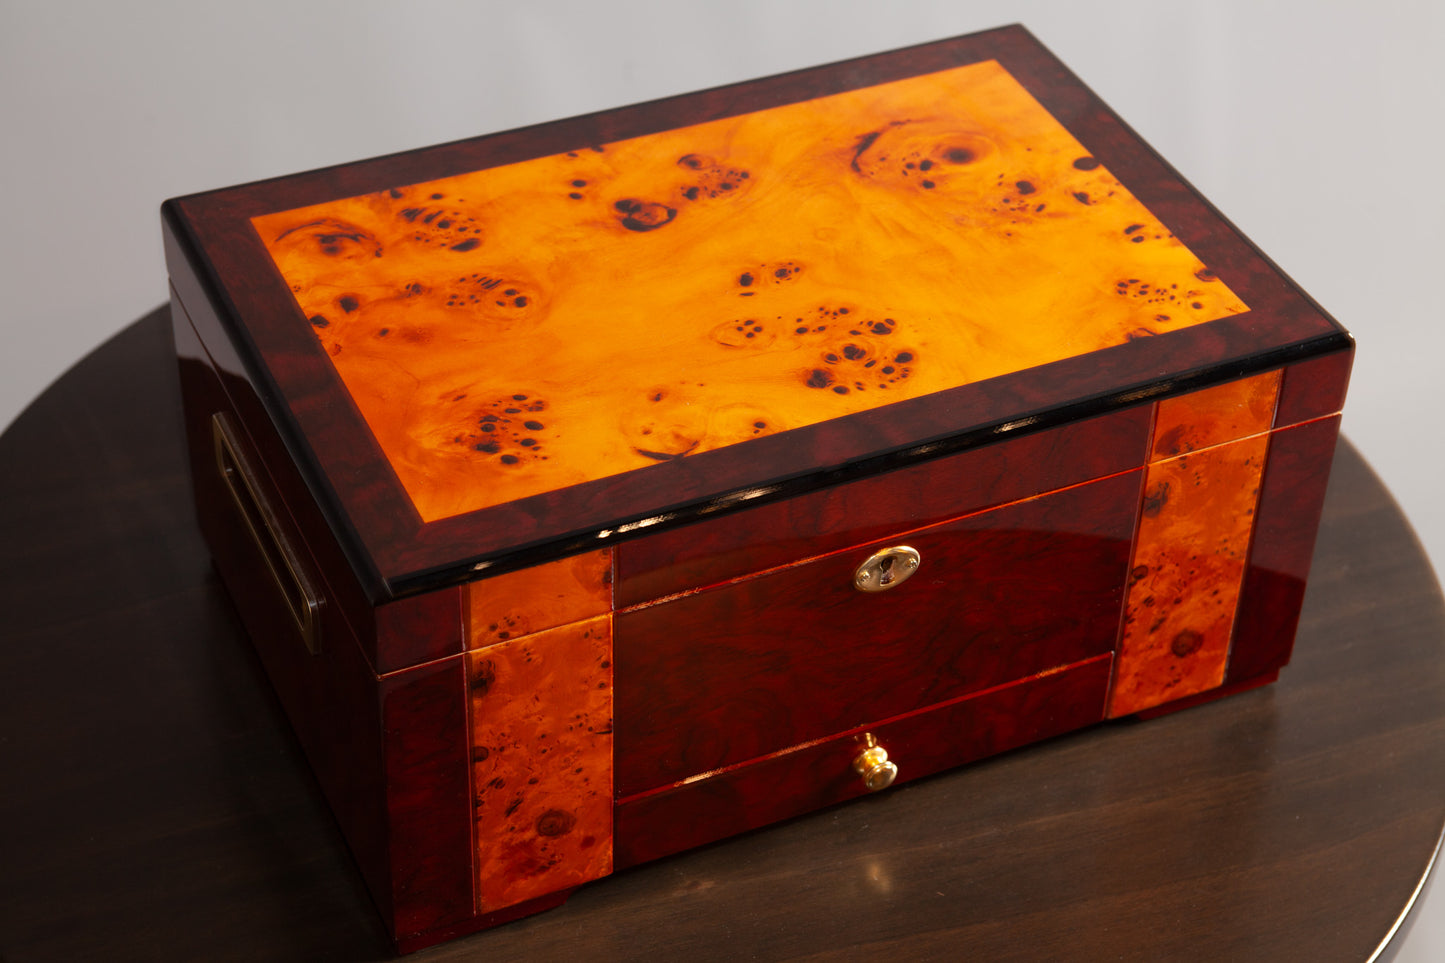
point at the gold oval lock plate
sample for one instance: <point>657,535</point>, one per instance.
<point>886,569</point>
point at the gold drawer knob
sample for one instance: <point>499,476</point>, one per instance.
<point>873,765</point>
<point>886,569</point>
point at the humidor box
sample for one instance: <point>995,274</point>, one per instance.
<point>604,488</point>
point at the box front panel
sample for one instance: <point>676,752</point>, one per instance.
<point>740,671</point>
<point>857,511</point>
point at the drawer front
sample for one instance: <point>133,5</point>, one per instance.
<point>790,783</point>
<point>853,512</point>
<point>755,666</point>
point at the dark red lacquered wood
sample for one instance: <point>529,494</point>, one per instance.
<point>329,697</point>
<point>819,775</point>
<point>755,666</point>
<point>1314,388</point>
<point>392,638</point>
<point>714,550</point>
<point>346,587</point>
<point>428,796</point>
<point>1290,504</point>
<point>391,755</point>
<point>421,628</point>
<point>1282,325</point>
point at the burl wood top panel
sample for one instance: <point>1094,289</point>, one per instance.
<point>528,327</point>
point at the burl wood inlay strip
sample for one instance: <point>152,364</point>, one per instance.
<point>1215,415</point>
<point>541,719</point>
<point>1192,545</point>
<point>541,597</point>
<point>528,327</point>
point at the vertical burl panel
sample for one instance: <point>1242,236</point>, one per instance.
<point>542,761</point>
<point>1203,419</point>
<point>544,596</point>
<point>1193,540</point>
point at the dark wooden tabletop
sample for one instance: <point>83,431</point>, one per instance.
<point>153,804</point>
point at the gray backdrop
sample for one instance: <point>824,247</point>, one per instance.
<point>1315,126</point>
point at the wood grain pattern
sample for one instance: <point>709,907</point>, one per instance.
<point>854,512</point>
<point>544,596</point>
<point>541,738</point>
<point>1202,419</point>
<point>215,254</point>
<point>529,327</point>
<point>746,669</point>
<point>1184,579</point>
<point>813,776</point>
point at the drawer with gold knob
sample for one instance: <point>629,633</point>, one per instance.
<point>785,784</point>
<point>802,652</point>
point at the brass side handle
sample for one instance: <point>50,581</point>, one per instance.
<point>301,598</point>
<point>886,569</point>
<point>873,765</point>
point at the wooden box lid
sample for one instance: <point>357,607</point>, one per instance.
<point>506,349</point>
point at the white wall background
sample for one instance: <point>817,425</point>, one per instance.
<point>1316,126</point>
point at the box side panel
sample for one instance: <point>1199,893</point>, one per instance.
<point>1290,505</point>
<point>241,397</point>
<point>402,633</point>
<point>1315,388</point>
<point>329,697</point>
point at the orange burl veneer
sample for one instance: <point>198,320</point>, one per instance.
<point>528,600</point>
<point>1193,542</point>
<point>527,327</point>
<point>1215,415</point>
<point>541,711</point>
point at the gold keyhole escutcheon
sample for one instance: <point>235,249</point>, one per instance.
<point>886,569</point>
<point>873,765</point>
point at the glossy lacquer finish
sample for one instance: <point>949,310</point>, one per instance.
<point>810,776</point>
<point>1196,523</point>
<point>1012,273</point>
<point>582,432</point>
<point>1290,503</point>
<point>528,600</point>
<point>541,758</point>
<point>692,289</point>
<point>853,512</point>
<point>749,668</point>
